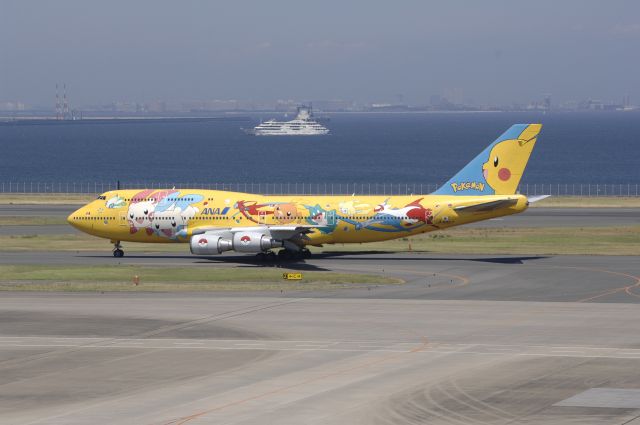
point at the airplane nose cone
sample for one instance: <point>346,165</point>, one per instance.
<point>73,218</point>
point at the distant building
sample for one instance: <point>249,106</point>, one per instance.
<point>12,106</point>
<point>599,105</point>
<point>455,95</point>
<point>435,100</point>
<point>129,107</point>
<point>334,105</point>
<point>156,107</point>
<point>388,107</point>
<point>546,104</point>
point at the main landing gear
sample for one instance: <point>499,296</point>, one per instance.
<point>117,250</point>
<point>285,255</point>
<point>266,256</point>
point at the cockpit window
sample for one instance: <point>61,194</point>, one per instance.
<point>102,197</point>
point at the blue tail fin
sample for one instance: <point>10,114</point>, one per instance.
<point>498,169</point>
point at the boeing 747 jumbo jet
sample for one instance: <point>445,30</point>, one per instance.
<point>213,222</point>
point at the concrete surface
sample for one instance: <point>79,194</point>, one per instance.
<point>469,339</point>
<point>169,359</point>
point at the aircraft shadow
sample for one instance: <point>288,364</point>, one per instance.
<point>242,261</point>
<point>248,261</point>
<point>301,264</point>
<point>365,256</point>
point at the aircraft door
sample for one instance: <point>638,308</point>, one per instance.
<point>123,219</point>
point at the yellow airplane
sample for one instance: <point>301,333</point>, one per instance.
<point>213,222</point>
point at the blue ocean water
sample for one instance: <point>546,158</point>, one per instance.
<point>362,148</point>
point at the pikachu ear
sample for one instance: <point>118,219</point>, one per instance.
<point>523,142</point>
<point>529,134</point>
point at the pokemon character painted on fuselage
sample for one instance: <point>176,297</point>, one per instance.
<point>173,213</point>
<point>285,213</point>
<point>215,221</point>
<point>387,218</point>
<point>163,213</point>
<point>141,216</point>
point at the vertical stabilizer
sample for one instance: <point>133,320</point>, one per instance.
<point>499,168</point>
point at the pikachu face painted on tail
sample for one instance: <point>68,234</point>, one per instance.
<point>506,163</point>
<point>498,169</point>
<point>507,160</point>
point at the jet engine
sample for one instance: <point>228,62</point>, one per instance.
<point>209,244</point>
<point>213,244</point>
<point>253,242</point>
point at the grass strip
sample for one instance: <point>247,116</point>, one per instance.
<point>46,198</point>
<point>9,220</point>
<point>121,278</point>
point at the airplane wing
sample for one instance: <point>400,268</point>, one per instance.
<point>486,206</point>
<point>277,232</point>
<point>287,232</point>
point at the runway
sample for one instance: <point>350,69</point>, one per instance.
<point>468,339</point>
<point>178,359</point>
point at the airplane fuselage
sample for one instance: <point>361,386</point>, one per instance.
<point>170,216</point>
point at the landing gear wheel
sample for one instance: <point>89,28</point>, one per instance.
<point>261,256</point>
<point>290,255</point>
<point>117,249</point>
<point>285,255</point>
<point>271,256</point>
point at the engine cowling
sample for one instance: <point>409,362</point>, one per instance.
<point>209,244</point>
<point>253,242</point>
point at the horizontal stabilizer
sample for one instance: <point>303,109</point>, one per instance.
<point>537,198</point>
<point>486,206</point>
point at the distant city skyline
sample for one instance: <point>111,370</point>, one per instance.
<point>489,53</point>
<point>63,105</point>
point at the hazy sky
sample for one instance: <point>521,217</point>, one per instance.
<point>495,51</point>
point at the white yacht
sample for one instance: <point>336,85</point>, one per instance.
<point>302,125</point>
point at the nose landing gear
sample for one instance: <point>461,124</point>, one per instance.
<point>117,250</point>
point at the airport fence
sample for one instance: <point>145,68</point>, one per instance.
<point>529,189</point>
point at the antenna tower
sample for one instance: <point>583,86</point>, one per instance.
<point>58,108</point>
<point>65,104</point>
